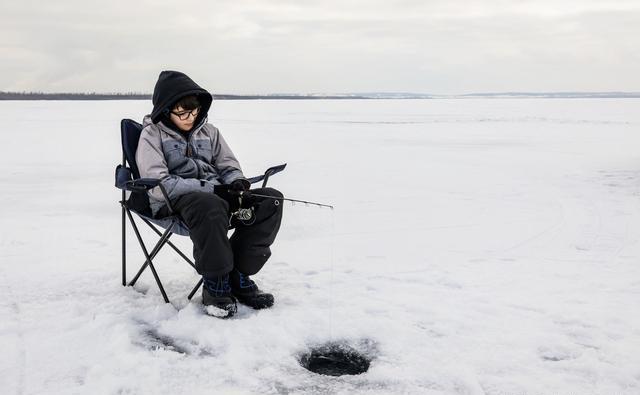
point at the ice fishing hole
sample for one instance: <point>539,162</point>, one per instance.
<point>335,359</point>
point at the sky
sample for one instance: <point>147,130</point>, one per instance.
<point>322,46</point>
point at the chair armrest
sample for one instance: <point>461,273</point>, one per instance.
<point>269,172</point>
<point>142,184</point>
<point>124,181</point>
<point>255,179</point>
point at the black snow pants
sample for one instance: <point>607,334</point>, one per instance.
<point>207,216</point>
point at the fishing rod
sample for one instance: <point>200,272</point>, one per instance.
<point>292,200</point>
<point>247,214</point>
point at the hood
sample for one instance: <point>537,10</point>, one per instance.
<point>173,86</point>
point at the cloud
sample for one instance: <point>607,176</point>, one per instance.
<point>247,46</point>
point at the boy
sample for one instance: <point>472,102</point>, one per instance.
<point>202,182</point>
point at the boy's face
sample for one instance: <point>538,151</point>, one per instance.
<point>184,119</point>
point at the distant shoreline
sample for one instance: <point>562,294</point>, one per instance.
<point>355,96</point>
<point>107,96</point>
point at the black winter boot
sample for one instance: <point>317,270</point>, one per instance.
<point>216,292</point>
<point>247,292</point>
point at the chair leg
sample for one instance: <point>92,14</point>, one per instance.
<point>195,289</point>
<point>171,244</point>
<point>124,244</point>
<point>164,239</point>
<point>154,251</point>
<point>150,257</point>
<point>155,275</point>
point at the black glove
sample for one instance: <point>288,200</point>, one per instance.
<point>237,187</point>
<point>237,194</point>
<point>240,188</point>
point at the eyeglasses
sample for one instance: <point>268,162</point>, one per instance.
<point>183,116</point>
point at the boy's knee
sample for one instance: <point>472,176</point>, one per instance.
<point>271,192</point>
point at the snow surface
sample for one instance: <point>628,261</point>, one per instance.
<point>477,247</point>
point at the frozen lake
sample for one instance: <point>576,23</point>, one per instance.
<point>477,246</point>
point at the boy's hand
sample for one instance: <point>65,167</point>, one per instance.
<point>239,186</point>
<point>237,194</point>
<point>247,200</point>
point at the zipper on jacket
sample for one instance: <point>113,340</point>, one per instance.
<point>189,152</point>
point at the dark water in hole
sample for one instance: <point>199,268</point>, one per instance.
<point>335,360</point>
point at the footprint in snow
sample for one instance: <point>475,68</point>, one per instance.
<point>557,353</point>
<point>153,340</point>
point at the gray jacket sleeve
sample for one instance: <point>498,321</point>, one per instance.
<point>152,164</point>
<point>224,160</point>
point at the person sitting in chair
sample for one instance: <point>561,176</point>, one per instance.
<point>203,184</point>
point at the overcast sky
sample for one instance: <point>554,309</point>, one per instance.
<point>323,46</point>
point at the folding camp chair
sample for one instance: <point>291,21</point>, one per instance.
<point>128,179</point>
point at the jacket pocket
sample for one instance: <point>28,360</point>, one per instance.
<point>174,153</point>
<point>203,149</point>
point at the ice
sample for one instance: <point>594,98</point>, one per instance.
<point>477,246</point>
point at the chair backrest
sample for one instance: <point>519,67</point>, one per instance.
<point>130,131</point>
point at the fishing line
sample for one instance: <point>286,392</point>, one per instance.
<point>331,246</point>
<point>247,217</point>
<point>331,258</point>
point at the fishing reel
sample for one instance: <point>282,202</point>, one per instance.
<point>245,215</point>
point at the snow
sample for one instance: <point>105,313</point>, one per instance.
<point>477,246</point>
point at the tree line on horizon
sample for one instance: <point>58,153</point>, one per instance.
<point>72,96</point>
<point>147,96</point>
<point>374,95</point>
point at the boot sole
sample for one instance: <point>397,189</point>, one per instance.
<point>262,304</point>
